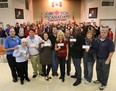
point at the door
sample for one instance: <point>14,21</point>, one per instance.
<point>112,24</point>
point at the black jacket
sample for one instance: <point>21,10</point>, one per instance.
<point>2,34</point>
<point>76,49</point>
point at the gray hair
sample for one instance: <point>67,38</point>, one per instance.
<point>104,28</point>
<point>23,40</point>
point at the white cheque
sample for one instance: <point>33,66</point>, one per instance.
<point>72,40</point>
<point>60,44</point>
<point>47,44</point>
<point>86,47</point>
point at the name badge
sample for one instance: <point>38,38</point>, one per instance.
<point>47,44</point>
<point>72,40</point>
<point>86,47</point>
<point>60,44</point>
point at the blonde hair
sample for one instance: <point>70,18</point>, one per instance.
<point>90,32</point>
<point>60,32</point>
<point>23,40</point>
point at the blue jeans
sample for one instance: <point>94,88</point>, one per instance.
<point>54,62</point>
<point>90,70</point>
<point>102,71</point>
<point>77,65</point>
<point>85,65</point>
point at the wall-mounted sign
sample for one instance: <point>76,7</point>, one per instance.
<point>57,16</point>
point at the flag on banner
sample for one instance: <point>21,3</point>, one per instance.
<point>41,17</point>
<point>56,4</point>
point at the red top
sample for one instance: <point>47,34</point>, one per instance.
<point>36,31</point>
<point>26,33</point>
<point>63,51</point>
<point>110,35</point>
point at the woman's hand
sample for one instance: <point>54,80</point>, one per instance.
<point>66,58</point>
<point>21,53</point>
<point>42,45</point>
<point>59,47</point>
<point>27,57</point>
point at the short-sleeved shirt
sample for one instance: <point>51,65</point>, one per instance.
<point>105,47</point>
<point>7,31</point>
<point>63,51</point>
<point>10,43</point>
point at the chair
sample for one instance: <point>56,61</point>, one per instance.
<point>2,54</point>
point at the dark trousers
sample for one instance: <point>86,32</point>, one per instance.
<point>46,71</point>
<point>68,64</point>
<point>62,66</point>
<point>77,65</point>
<point>23,70</point>
<point>13,66</point>
<point>102,71</point>
<point>90,70</point>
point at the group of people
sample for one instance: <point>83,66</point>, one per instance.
<point>52,44</point>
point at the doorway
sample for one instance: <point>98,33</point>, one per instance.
<point>111,23</point>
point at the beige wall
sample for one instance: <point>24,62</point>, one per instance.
<point>28,14</point>
<point>7,15</point>
<point>68,5</point>
<point>104,12</point>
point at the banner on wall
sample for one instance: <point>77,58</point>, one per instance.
<point>57,16</point>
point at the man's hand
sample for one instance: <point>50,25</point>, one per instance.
<point>107,62</point>
<point>15,48</point>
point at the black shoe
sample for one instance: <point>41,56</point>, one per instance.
<point>22,82</point>
<point>46,78</point>
<point>27,79</point>
<point>14,79</point>
<point>76,83</point>
<point>34,76</point>
<point>63,79</point>
<point>49,77</point>
<point>60,77</point>
<point>68,73</point>
<point>53,74</point>
<point>96,82</point>
<point>56,74</point>
<point>73,76</point>
<point>41,74</point>
<point>102,87</point>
